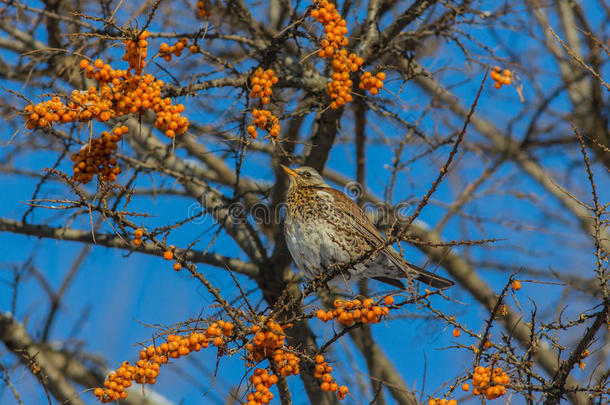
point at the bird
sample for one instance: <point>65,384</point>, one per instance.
<point>325,229</point>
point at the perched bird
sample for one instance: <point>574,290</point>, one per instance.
<point>325,229</point>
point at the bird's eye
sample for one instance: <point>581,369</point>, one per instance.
<point>307,174</point>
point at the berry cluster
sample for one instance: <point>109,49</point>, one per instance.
<point>323,372</point>
<point>96,158</point>
<point>84,106</point>
<point>441,401</point>
<point>262,81</point>
<point>202,11</point>
<point>356,311</point>
<point>264,120</point>
<point>169,119</point>
<point>146,370</point>
<point>270,344</point>
<point>332,46</point>
<point>489,382</point>
<point>136,52</point>
<point>286,362</point>
<point>335,27</point>
<point>120,92</point>
<point>166,51</point>
<point>137,236</point>
<point>372,83</point>
<point>265,342</point>
<point>501,77</point>
<point>261,381</point>
<point>341,85</point>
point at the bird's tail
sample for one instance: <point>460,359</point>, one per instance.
<point>428,278</point>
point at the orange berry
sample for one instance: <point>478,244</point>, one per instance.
<point>168,255</point>
<point>456,332</point>
<point>465,387</point>
<point>177,266</point>
<point>389,300</point>
<point>516,285</point>
<point>319,359</point>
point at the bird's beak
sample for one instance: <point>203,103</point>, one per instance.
<point>289,171</point>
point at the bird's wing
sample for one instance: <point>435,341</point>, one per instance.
<point>364,227</point>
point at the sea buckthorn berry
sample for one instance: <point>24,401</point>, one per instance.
<point>516,285</point>
<point>166,51</point>
<point>202,11</point>
<point>372,83</point>
<point>501,77</point>
<point>177,266</point>
<point>343,390</point>
<point>490,383</point>
<point>465,387</point>
<point>261,82</point>
<point>96,158</point>
<point>119,92</point>
<point>456,332</point>
<point>389,300</point>
<point>168,255</point>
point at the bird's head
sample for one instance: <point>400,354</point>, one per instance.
<point>304,176</point>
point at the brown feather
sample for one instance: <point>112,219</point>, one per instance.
<point>369,232</point>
